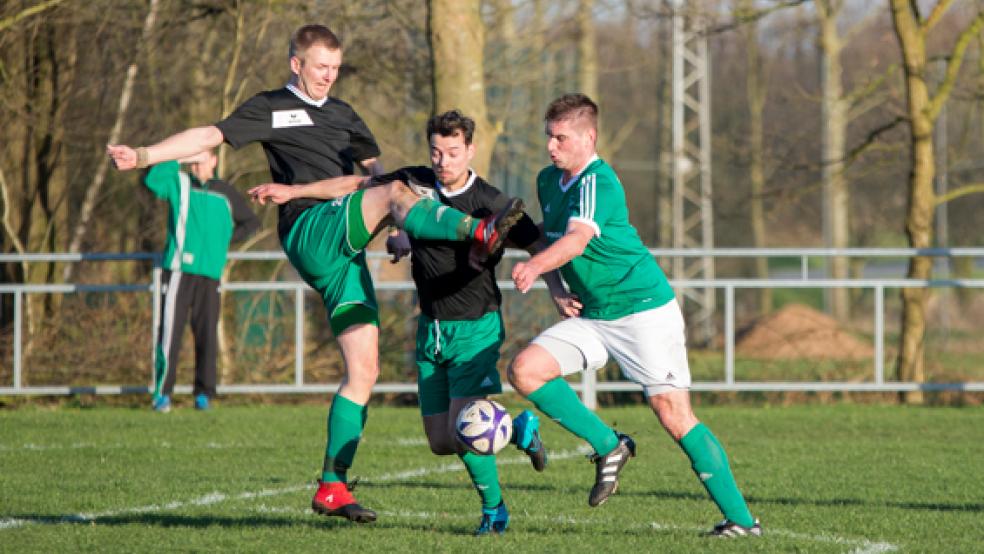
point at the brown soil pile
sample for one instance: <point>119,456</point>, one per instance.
<point>798,331</point>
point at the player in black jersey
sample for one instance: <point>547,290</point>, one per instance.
<point>460,330</point>
<point>310,137</point>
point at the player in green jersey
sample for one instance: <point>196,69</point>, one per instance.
<point>621,305</point>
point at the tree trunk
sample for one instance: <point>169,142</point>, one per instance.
<point>756,91</point>
<point>587,58</point>
<point>836,198</point>
<point>457,38</point>
<point>910,31</point>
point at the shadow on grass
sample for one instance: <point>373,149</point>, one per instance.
<point>832,502</point>
<point>306,521</point>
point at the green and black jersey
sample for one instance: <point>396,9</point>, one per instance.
<point>449,288</point>
<point>203,219</point>
<point>304,140</point>
<point>615,275</point>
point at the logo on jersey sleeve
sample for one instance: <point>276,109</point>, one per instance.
<point>291,118</point>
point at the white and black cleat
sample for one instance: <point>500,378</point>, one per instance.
<point>607,468</point>
<point>730,529</point>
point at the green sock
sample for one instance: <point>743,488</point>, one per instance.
<point>346,419</point>
<point>710,463</point>
<point>559,401</point>
<point>431,220</point>
<point>485,477</point>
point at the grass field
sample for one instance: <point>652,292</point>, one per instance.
<point>832,478</point>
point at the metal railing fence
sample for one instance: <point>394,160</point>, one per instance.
<point>589,386</point>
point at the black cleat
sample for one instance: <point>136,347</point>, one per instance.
<point>731,529</point>
<point>607,468</point>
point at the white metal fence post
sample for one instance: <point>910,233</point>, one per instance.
<point>299,336</point>
<point>879,334</point>
<point>18,336</point>
<point>729,334</point>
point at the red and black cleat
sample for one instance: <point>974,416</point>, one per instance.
<point>492,230</point>
<point>334,499</point>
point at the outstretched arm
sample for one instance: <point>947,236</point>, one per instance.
<point>182,145</point>
<point>565,249</point>
<point>326,189</point>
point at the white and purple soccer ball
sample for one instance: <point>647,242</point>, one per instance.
<point>483,427</point>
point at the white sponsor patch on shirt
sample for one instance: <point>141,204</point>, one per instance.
<point>187,258</point>
<point>291,118</point>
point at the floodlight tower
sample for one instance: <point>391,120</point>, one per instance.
<point>693,225</point>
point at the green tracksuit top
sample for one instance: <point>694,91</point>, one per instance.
<point>202,220</point>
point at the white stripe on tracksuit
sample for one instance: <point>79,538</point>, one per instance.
<point>166,327</point>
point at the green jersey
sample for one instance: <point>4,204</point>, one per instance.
<point>203,219</point>
<point>616,275</point>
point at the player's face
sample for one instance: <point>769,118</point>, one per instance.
<point>316,70</point>
<point>570,144</point>
<point>205,170</point>
<point>450,159</point>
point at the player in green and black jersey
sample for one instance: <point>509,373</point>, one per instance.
<point>460,330</point>
<point>313,143</point>
<point>621,305</point>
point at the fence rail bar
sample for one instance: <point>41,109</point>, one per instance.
<point>273,255</point>
<point>588,386</point>
<point>606,386</point>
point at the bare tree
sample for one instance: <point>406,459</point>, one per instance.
<point>911,31</point>
<point>92,193</point>
<point>757,91</point>
<point>834,108</point>
<point>457,37</point>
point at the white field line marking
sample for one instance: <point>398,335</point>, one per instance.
<point>217,497</point>
<point>32,447</point>
<point>863,546</point>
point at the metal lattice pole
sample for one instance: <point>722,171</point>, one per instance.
<point>691,169</point>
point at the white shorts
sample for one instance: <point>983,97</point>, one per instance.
<point>649,346</point>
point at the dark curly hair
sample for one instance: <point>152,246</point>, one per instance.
<point>450,123</point>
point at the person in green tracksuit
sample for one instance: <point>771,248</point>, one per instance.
<point>205,215</point>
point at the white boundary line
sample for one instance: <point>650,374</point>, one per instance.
<point>862,546</point>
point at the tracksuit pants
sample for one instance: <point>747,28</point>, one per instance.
<point>185,295</point>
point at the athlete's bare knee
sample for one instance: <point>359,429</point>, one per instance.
<point>363,375</point>
<point>523,373</point>
<point>674,412</point>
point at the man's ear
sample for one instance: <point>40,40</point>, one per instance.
<point>295,65</point>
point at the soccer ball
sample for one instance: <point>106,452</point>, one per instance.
<point>484,427</point>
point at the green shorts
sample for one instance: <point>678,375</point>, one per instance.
<point>457,359</point>
<point>326,247</point>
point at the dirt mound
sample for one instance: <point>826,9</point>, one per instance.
<point>798,331</point>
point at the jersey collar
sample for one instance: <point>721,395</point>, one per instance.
<point>305,98</point>
<point>451,194</point>
<point>566,186</point>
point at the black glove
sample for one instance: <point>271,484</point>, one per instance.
<point>398,245</point>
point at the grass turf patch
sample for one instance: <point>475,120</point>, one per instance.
<point>822,478</point>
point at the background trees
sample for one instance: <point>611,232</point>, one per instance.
<point>790,127</point>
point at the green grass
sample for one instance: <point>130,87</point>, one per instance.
<point>822,478</point>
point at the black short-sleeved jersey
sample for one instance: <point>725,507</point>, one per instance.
<point>448,287</point>
<point>304,142</point>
